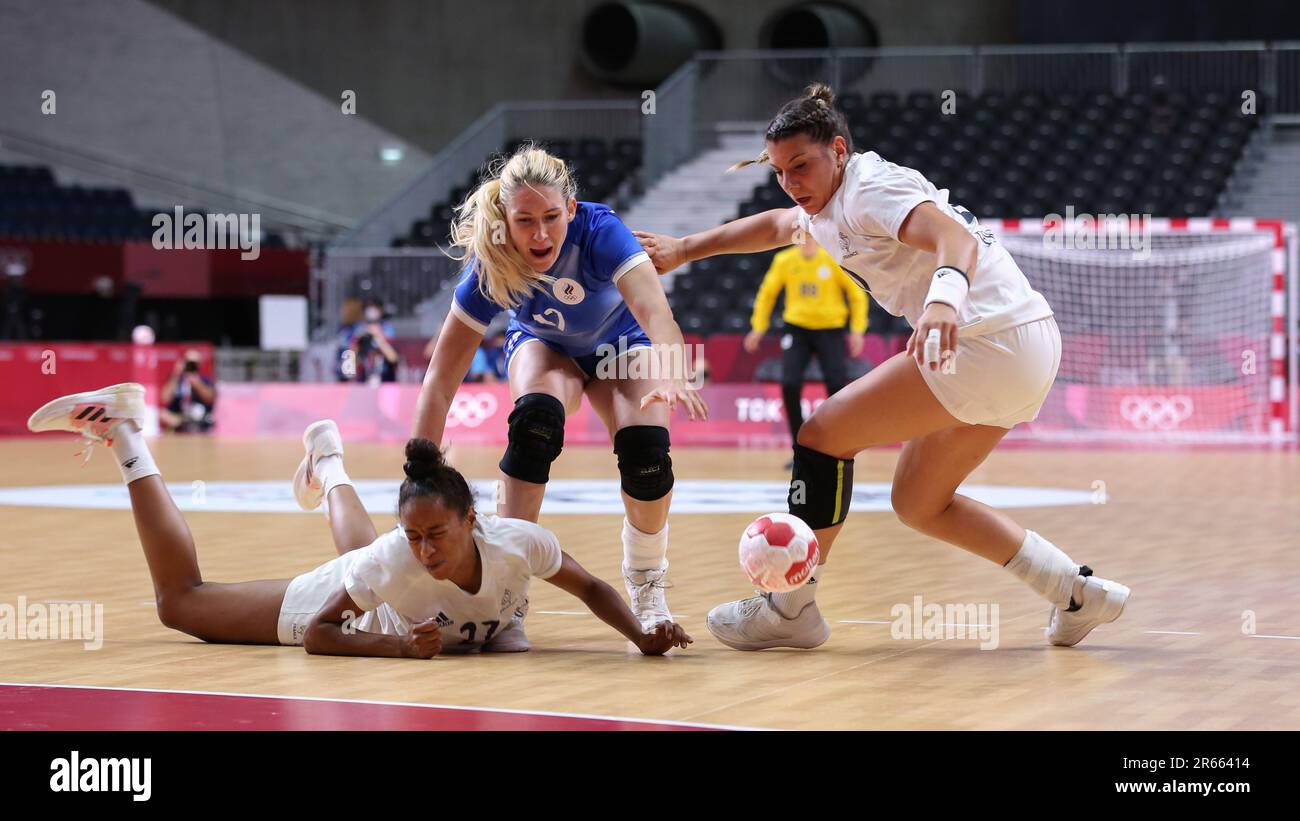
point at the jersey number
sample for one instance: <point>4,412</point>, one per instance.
<point>559,323</point>
<point>469,628</point>
<point>808,289</point>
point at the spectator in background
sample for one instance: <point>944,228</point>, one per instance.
<point>188,397</point>
<point>815,293</point>
<point>1162,112</point>
<point>489,363</point>
<point>366,355</point>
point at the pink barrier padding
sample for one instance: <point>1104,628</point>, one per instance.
<point>740,414</point>
<point>749,414</point>
<point>33,373</point>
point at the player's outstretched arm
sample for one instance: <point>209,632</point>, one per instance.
<point>645,298</point>
<point>760,232</point>
<point>332,632</point>
<point>451,359</point>
<point>610,608</point>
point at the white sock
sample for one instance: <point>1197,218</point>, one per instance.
<point>792,604</point>
<point>644,551</point>
<point>132,453</point>
<point>1045,568</point>
<point>329,471</point>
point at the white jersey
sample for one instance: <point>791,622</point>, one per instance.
<point>859,228</point>
<point>386,580</point>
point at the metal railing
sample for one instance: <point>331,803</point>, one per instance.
<point>456,164</point>
<point>255,365</point>
<point>410,280</point>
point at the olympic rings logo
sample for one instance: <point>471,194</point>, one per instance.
<point>1156,412</point>
<point>471,410</point>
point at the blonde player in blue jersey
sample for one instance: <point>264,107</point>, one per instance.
<point>982,358</point>
<point>446,579</point>
<point>586,306</point>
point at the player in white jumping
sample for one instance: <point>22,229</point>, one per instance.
<point>982,357</point>
<point>444,580</point>
<point>583,299</point>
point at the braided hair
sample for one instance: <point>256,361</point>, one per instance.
<point>813,114</point>
<point>428,474</point>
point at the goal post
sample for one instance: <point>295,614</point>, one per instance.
<point>1173,330</point>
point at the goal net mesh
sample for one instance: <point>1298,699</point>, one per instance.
<point>1164,343</point>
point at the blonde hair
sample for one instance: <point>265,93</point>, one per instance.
<point>480,227</point>
<point>813,114</point>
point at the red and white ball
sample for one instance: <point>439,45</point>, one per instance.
<point>778,552</point>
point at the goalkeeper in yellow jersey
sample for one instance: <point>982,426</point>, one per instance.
<point>816,290</point>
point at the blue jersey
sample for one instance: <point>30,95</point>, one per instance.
<point>582,308</point>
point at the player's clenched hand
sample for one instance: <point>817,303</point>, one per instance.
<point>663,637</point>
<point>682,392</point>
<point>423,642</point>
<point>665,252</point>
<point>942,317</point>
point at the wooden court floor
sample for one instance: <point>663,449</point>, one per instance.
<point>1209,541</point>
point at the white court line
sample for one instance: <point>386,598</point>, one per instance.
<point>1171,632</point>
<point>870,621</point>
<point>586,613</point>
<point>383,704</point>
<point>1292,638</point>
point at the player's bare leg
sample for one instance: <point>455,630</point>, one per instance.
<point>536,369</point>
<point>242,613</point>
<point>321,478</point>
<point>899,406</point>
<point>548,378</point>
<point>641,442</point>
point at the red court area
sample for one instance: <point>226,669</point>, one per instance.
<point>41,707</point>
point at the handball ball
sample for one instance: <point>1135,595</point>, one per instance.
<point>142,335</point>
<point>778,552</point>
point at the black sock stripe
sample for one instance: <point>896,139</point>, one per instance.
<point>958,270</point>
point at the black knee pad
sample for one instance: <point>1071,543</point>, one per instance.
<point>536,438</point>
<point>643,461</point>
<point>820,488</point>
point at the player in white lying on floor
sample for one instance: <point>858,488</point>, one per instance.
<point>982,358</point>
<point>445,580</point>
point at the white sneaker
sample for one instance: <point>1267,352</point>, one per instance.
<point>1103,602</point>
<point>510,640</point>
<point>754,624</point>
<point>645,589</point>
<point>320,439</point>
<point>92,414</point>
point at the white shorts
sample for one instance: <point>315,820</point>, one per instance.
<point>308,593</point>
<point>1001,379</point>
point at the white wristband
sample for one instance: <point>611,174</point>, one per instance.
<point>949,286</point>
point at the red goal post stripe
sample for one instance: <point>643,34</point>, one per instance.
<point>1277,389</point>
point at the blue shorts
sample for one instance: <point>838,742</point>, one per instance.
<point>631,335</point>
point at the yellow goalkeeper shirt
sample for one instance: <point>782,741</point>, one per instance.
<point>815,290</point>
